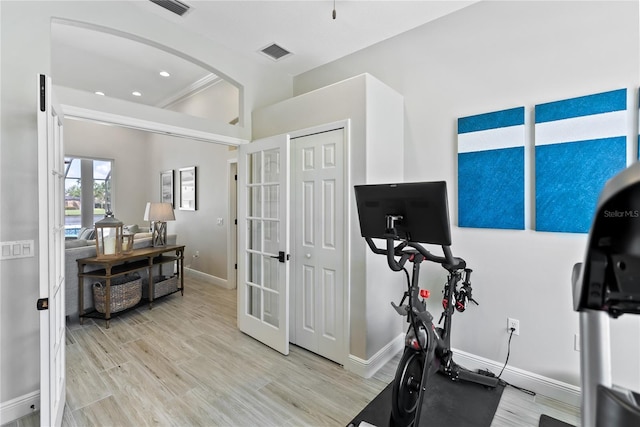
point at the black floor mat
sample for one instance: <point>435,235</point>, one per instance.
<point>547,421</point>
<point>446,404</point>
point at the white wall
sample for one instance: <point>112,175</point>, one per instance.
<point>26,48</point>
<point>220,101</point>
<point>198,229</point>
<point>491,56</point>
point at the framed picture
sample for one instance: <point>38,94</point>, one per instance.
<point>166,187</point>
<point>188,189</point>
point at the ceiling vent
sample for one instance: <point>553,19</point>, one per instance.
<point>275,52</point>
<point>174,6</point>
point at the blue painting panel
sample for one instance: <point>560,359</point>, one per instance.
<point>569,178</point>
<point>580,144</point>
<point>493,120</point>
<point>599,103</point>
<point>491,189</point>
<point>491,170</point>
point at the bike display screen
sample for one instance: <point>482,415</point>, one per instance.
<point>420,211</point>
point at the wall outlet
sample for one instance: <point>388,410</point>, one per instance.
<point>196,254</point>
<point>515,324</point>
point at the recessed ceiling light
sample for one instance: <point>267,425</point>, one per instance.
<point>136,93</point>
<point>164,74</point>
<point>99,93</point>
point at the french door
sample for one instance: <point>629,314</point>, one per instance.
<point>51,300</point>
<point>318,233</point>
<point>263,245</point>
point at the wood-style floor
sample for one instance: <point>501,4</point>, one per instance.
<point>185,363</point>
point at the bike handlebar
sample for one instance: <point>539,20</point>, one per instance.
<point>448,261</point>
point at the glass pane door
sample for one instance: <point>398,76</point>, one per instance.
<point>263,244</point>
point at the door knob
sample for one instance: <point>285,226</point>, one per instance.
<point>281,256</point>
<point>308,256</point>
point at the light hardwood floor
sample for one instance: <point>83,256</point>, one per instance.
<point>185,363</point>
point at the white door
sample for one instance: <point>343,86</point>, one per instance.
<point>51,256</point>
<point>318,236</point>
<point>263,245</point>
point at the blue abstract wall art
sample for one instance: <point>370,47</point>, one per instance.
<point>491,170</point>
<point>579,144</point>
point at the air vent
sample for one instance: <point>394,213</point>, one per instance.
<point>275,52</point>
<point>174,6</point>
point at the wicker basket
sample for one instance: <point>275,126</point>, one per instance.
<point>126,292</point>
<point>161,286</point>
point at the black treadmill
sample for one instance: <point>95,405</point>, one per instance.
<point>605,286</point>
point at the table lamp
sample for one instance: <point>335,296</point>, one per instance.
<point>108,236</point>
<point>159,214</point>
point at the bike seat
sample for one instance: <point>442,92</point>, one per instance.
<point>458,264</point>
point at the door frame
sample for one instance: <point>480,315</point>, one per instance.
<point>232,229</point>
<point>51,279</point>
<point>346,241</point>
<point>97,116</point>
<point>103,117</point>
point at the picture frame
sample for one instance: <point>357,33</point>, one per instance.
<point>188,189</point>
<point>166,187</point>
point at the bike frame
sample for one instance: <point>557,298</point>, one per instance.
<point>449,289</point>
<point>437,347</point>
<point>421,317</point>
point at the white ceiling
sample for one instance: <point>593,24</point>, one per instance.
<point>91,61</point>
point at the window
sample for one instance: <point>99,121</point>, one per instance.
<point>88,192</point>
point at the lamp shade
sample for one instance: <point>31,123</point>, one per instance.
<point>159,212</point>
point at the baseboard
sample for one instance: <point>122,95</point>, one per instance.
<point>207,278</point>
<point>545,386</point>
<point>19,407</point>
<point>366,368</point>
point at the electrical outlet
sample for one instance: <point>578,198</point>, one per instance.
<point>513,324</point>
<point>197,254</point>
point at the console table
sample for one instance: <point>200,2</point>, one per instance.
<point>136,260</point>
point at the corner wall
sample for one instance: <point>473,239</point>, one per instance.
<point>490,56</point>
<point>198,230</point>
<point>374,112</point>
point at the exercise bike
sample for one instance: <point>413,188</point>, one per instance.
<point>416,213</point>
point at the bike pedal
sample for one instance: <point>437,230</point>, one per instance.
<point>486,373</point>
